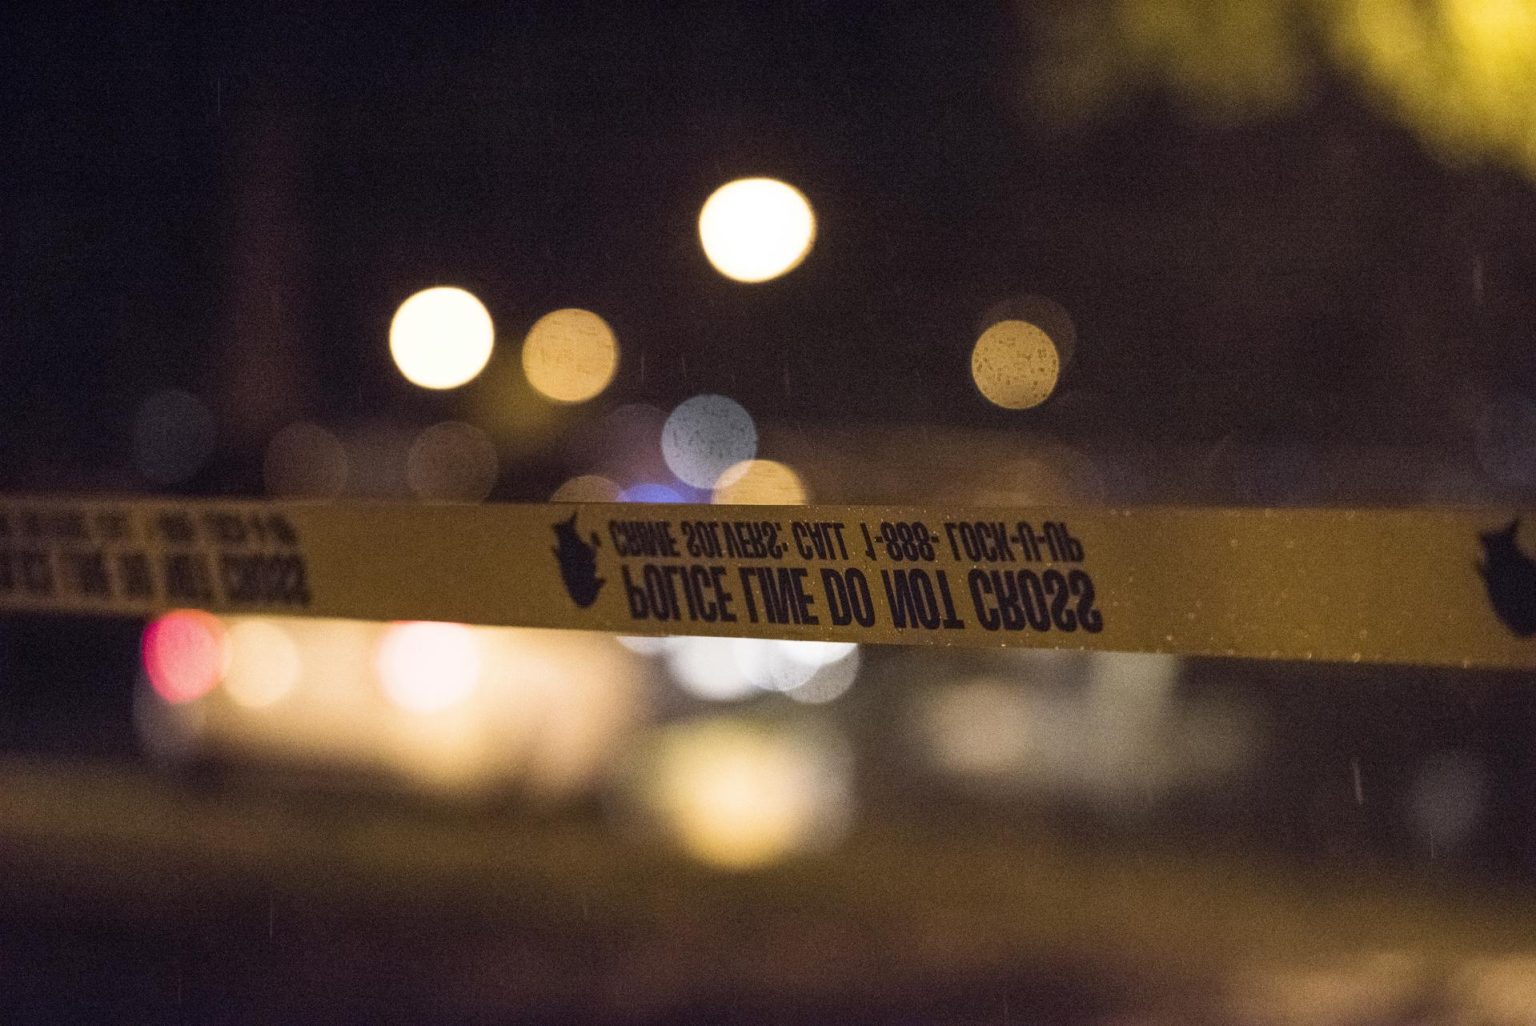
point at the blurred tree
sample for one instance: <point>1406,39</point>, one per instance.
<point>1459,73</point>
<point>1221,60</point>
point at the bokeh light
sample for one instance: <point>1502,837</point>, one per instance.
<point>461,711</point>
<point>763,664</point>
<point>760,483</point>
<point>184,654</point>
<point>305,461</point>
<point>786,665</point>
<point>732,669</point>
<point>1100,727</point>
<point>816,654</point>
<point>646,646</point>
<point>739,797</point>
<point>570,356</point>
<point>452,462</point>
<point>708,668</point>
<point>376,460</point>
<point>986,726</point>
<point>574,697</point>
<point>264,664</point>
<point>831,680</point>
<point>705,436</point>
<point>428,667</point>
<point>1015,365</point>
<point>340,658</point>
<point>648,491</point>
<point>1044,313</point>
<point>441,338</point>
<point>754,229</point>
<point>173,434</point>
<point>588,488</point>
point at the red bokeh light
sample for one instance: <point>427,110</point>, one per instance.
<point>184,655</point>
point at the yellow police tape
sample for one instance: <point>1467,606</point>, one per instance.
<point>1431,587</point>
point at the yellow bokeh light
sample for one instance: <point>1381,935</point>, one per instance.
<point>441,338</point>
<point>737,797</point>
<point>1015,365</point>
<point>588,488</point>
<point>754,229</point>
<point>1044,313</point>
<point>570,356</point>
<point>264,664</point>
<point>760,483</point>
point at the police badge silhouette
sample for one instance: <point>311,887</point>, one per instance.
<point>578,563</point>
<point>1510,576</point>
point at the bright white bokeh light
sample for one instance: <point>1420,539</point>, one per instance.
<point>571,355</point>
<point>264,664</point>
<point>783,665</point>
<point>815,654</point>
<point>709,668</point>
<point>706,436</point>
<point>809,671</point>
<point>441,338</point>
<point>754,229</point>
<point>763,665</point>
<point>731,669</point>
<point>428,667</point>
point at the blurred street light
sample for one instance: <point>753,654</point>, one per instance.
<point>755,229</point>
<point>441,338</point>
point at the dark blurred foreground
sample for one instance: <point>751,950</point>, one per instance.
<point>129,897</point>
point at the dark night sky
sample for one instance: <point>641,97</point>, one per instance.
<point>186,185</point>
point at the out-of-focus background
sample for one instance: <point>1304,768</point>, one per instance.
<point>1251,252</point>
